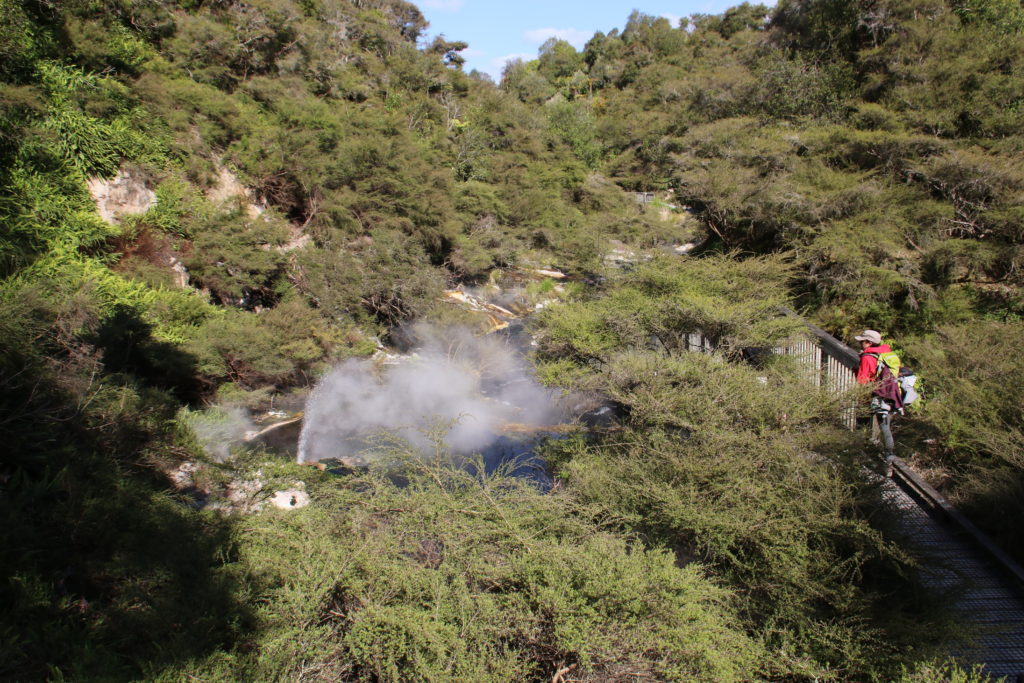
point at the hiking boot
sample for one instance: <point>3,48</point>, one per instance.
<point>888,465</point>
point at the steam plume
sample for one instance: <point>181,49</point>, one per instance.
<point>218,429</point>
<point>472,384</point>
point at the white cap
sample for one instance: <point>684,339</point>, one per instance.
<point>871,336</point>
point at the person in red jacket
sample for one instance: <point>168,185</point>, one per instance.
<point>881,410</point>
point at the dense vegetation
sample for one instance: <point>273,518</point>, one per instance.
<point>322,171</point>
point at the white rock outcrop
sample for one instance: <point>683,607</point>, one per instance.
<point>123,195</point>
<point>230,189</point>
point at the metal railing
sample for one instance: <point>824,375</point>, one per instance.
<point>828,362</point>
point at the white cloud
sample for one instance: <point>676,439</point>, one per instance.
<point>573,36</point>
<point>443,5</point>
<point>498,63</point>
<point>673,19</point>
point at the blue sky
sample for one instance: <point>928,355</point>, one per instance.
<point>498,30</point>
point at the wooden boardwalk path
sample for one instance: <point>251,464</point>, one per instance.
<point>954,555</point>
<point>986,594</point>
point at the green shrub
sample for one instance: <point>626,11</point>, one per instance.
<point>946,671</point>
<point>275,347</point>
<point>757,480</point>
<point>974,374</point>
<point>461,577</point>
<point>102,561</point>
<point>90,144</point>
<point>382,278</point>
<point>237,258</point>
<point>726,298</point>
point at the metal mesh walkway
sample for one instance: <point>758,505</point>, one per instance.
<point>987,597</point>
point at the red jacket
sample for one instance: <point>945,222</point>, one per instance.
<point>868,364</point>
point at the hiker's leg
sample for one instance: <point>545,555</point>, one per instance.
<point>885,425</point>
<point>890,447</point>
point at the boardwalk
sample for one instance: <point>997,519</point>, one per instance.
<point>954,554</point>
<point>989,598</point>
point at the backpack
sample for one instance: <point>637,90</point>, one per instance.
<point>891,360</point>
<point>909,389</point>
<point>887,388</point>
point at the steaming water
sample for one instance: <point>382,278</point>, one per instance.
<point>218,429</point>
<point>457,387</point>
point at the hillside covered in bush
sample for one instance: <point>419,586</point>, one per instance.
<point>213,202</point>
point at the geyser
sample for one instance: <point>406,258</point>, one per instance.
<point>462,386</point>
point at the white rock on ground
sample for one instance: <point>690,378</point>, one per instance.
<point>181,273</point>
<point>183,476</point>
<point>290,499</point>
<point>229,189</point>
<point>550,272</point>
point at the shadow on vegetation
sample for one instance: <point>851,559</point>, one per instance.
<point>128,347</point>
<point>106,574</point>
<point>991,496</point>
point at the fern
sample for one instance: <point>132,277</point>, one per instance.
<point>91,145</point>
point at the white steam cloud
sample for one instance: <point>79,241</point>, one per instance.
<point>218,429</point>
<point>467,386</point>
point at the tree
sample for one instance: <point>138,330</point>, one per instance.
<point>448,51</point>
<point>1005,15</point>
<point>558,60</point>
<point>745,17</point>
<point>523,80</point>
<point>829,26</point>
